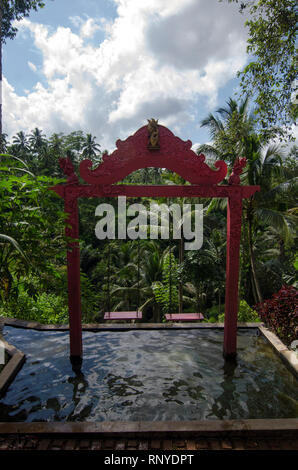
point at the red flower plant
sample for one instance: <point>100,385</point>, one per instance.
<point>280,313</point>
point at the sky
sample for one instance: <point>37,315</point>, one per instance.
<point>106,66</point>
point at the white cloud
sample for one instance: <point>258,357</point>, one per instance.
<point>32,66</point>
<point>89,28</point>
<point>159,57</point>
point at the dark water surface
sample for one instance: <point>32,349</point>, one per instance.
<point>146,376</point>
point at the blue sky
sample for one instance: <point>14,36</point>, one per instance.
<point>106,66</point>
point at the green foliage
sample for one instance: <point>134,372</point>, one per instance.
<point>271,73</point>
<point>91,301</point>
<point>211,315</point>
<point>227,128</point>
<point>166,292</point>
<point>32,242</point>
<point>46,308</point>
<point>15,10</point>
<point>31,224</point>
<point>234,135</point>
<point>245,313</point>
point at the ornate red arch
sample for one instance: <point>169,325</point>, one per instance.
<point>154,146</point>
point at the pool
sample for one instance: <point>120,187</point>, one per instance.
<point>151,375</point>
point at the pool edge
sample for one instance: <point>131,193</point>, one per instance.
<point>289,358</point>
<point>157,429</point>
<point>13,366</point>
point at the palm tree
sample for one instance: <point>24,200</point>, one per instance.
<point>265,168</point>
<point>56,143</point>
<point>90,147</point>
<point>37,139</point>
<point>234,136</point>
<point>227,130</point>
<point>125,283</point>
<point>21,142</point>
<point>3,139</point>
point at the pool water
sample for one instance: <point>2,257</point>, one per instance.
<point>149,375</point>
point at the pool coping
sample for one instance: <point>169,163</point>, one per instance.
<point>156,429</point>
<point>289,358</point>
<point>13,366</point>
<point>33,325</point>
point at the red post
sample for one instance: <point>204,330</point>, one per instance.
<point>232,273</point>
<point>73,277</point>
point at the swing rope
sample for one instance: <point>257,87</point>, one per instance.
<point>178,316</point>
<point>109,278</point>
<point>170,268</point>
<point>138,285</point>
<point>131,315</point>
<point>170,282</point>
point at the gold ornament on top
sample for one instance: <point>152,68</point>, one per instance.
<point>153,134</point>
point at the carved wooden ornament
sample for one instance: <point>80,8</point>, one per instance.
<point>172,153</point>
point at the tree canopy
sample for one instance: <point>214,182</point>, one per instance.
<point>271,74</point>
<point>15,10</point>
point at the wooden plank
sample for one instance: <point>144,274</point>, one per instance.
<point>184,316</point>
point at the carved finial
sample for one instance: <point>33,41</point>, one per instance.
<point>239,164</point>
<point>153,134</point>
<point>68,169</point>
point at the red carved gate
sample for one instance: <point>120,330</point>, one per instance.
<point>154,146</point>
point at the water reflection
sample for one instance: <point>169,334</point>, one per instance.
<point>80,385</point>
<point>223,404</point>
<point>147,375</point>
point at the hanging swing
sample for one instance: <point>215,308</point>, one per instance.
<point>176,317</point>
<point>130,315</point>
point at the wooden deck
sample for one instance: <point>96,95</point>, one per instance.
<point>272,434</point>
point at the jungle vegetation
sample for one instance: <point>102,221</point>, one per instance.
<point>154,275</point>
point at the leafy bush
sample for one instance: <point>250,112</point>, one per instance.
<point>90,301</point>
<point>47,308</point>
<point>166,292</point>
<point>211,314</point>
<point>50,307</point>
<point>245,313</point>
<point>280,313</point>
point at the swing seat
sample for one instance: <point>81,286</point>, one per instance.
<point>184,316</point>
<point>123,315</point>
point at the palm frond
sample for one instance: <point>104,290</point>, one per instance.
<point>16,245</point>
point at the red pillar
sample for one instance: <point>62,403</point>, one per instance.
<point>232,273</point>
<point>73,276</point>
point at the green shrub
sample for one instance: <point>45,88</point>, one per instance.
<point>91,300</point>
<point>245,313</point>
<point>211,314</point>
<point>166,292</point>
<point>47,308</point>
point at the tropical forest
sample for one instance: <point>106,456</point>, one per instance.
<point>157,276</point>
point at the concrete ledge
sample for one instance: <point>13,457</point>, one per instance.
<point>16,361</point>
<point>288,357</point>
<point>158,429</point>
